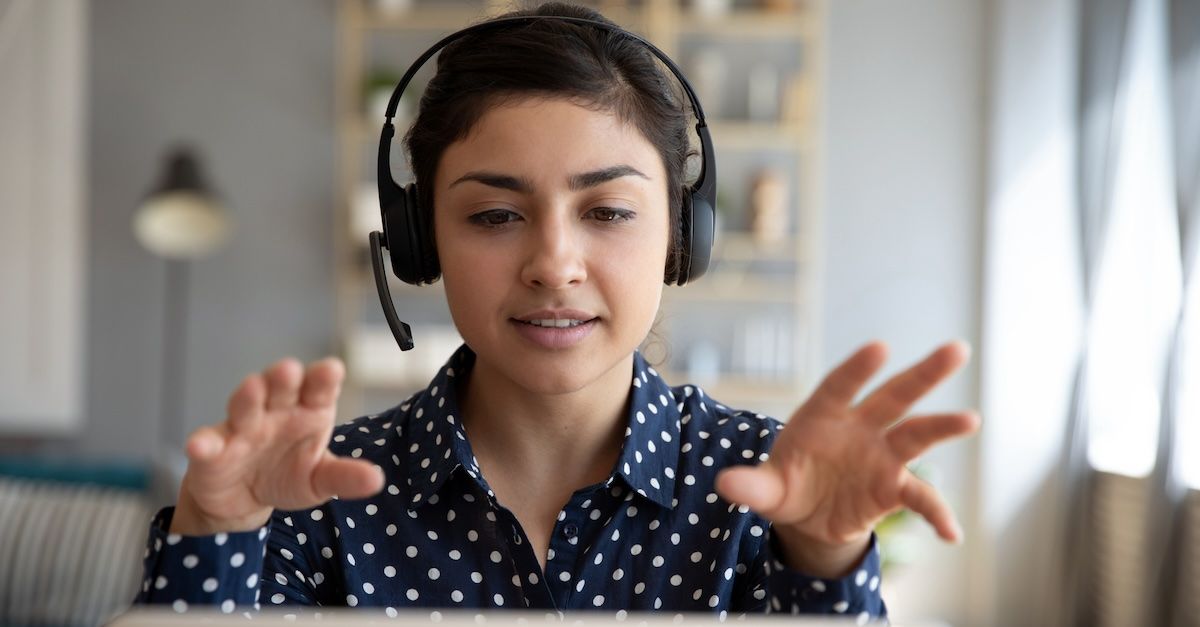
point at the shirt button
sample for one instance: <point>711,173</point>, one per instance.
<point>570,530</point>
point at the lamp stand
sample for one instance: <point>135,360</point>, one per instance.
<point>173,358</point>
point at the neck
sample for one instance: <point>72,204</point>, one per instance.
<point>547,439</point>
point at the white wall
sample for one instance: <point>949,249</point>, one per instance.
<point>43,68</point>
<point>1033,323</point>
<point>904,207</point>
<point>250,85</point>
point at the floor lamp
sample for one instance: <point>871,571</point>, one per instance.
<point>180,220</point>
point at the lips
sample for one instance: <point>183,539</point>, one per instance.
<point>555,329</point>
<point>556,315</point>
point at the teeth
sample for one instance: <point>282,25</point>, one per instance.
<point>561,324</point>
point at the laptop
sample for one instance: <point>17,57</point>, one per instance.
<point>147,616</point>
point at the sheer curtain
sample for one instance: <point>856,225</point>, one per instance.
<point>1090,368</point>
<point>1133,436</point>
<point>1177,475</point>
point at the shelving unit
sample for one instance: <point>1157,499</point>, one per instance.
<point>755,291</point>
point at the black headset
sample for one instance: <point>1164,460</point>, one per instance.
<point>409,238</point>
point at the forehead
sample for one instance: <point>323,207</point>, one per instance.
<point>544,138</point>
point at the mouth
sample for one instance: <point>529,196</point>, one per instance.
<point>556,318</point>
<point>555,330</point>
<point>555,323</point>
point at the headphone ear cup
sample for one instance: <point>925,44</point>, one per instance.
<point>391,207</point>
<point>699,231</point>
<point>409,240</point>
<point>424,249</point>
<point>680,241</point>
<point>398,228</point>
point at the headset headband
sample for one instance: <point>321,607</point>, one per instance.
<point>705,184</point>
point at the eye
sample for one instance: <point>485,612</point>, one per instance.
<point>493,218</point>
<point>612,214</point>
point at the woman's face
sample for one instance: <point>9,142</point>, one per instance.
<point>550,214</point>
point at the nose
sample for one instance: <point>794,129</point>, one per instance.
<point>555,253</point>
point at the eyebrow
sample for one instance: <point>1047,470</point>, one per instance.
<point>576,182</point>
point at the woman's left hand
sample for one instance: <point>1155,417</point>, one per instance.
<point>837,468</point>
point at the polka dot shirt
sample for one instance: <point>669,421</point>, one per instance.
<point>652,536</point>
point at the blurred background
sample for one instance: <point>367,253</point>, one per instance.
<point>186,189</point>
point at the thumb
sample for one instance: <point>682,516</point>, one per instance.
<point>346,478</point>
<point>205,444</point>
<point>761,487</point>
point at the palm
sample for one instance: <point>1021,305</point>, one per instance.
<point>266,464</point>
<point>271,452</point>
<point>837,468</point>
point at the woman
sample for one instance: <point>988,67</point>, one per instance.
<point>547,465</point>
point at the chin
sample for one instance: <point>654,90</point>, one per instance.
<point>546,372</point>
<point>557,376</point>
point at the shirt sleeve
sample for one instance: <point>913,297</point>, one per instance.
<point>777,589</point>
<point>231,571</point>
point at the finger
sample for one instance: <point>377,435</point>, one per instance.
<point>322,383</point>
<point>915,435</point>
<point>844,382</point>
<point>346,478</point>
<point>893,399</point>
<point>761,488</point>
<point>204,444</point>
<point>246,403</point>
<point>283,383</point>
<point>923,499</point>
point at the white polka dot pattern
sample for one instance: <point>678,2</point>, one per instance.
<point>654,535</point>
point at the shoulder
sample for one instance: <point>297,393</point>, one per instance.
<point>726,434</point>
<point>373,436</point>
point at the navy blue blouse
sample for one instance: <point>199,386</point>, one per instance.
<point>653,536</point>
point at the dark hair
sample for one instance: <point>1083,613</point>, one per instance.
<point>549,58</point>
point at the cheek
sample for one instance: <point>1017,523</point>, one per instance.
<point>633,270</point>
<point>466,278</point>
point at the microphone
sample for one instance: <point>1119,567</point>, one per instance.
<point>400,328</point>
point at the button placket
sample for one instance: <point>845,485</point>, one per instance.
<point>524,563</point>
<point>564,550</point>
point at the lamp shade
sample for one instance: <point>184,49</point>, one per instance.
<point>181,218</point>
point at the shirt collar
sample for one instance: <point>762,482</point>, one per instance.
<point>438,445</point>
<point>650,454</point>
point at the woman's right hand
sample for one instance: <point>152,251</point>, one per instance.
<point>271,452</point>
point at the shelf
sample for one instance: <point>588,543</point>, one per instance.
<point>448,19</point>
<point>747,135</point>
<point>723,288</point>
<point>727,134</point>
<point>364,276</point>
<point>734,390</point>
<point>745,273</point>
<point>727,386</point>
<point>417,19</point>
<point>738,246</point>
<point>731,249</point>
<point>719,284</point>
<point>749,24</point>
<point>732,246</point>
<point>374,361</point>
